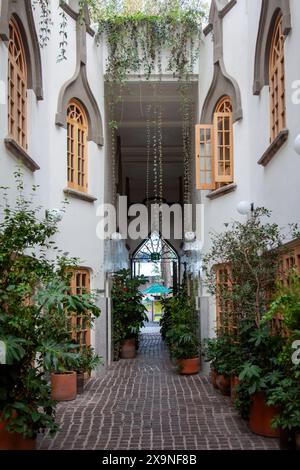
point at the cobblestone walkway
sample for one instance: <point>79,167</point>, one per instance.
<point>144,404</point>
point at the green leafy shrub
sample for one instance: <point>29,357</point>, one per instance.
<point>35,308</point>
<point>129,312</point>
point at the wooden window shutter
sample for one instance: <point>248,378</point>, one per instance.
<point>204,157</point>
<point>223,147</point>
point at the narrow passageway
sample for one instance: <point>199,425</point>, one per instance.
<point>143,404</point>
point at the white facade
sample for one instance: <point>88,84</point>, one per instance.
<point>275,186</point>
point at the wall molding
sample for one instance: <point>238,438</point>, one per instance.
<point>21,11</point>
<point>74,13</point>
<point>268,15</point>
<point>18,152</point>
<point>78,87</point>
<point>271,151</point>
<point>222,83</point>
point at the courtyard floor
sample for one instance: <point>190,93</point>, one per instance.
<point>143,404</point>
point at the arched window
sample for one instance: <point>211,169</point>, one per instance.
<point>223,141</point>
<point>17,87</point>
<point>214,148</point>
<point>77,130</point>
<point>277,80</point>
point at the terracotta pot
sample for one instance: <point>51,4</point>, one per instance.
<point>189,366</point>
<point>26,444</point>
<point>234,382</point>
<point>261,416</point>
<point>213,377</point>
<point>64,386</point>
<point>128,350</point>
<point>8,440</point>
<point>223,383</point>
<point>13,440</point>
<point>287,439</point>
<point>80,382</point>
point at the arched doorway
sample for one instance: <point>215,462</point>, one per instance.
<point>156,259</point>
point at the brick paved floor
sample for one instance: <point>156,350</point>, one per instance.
<point>143,404</point>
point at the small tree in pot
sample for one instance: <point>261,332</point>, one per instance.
<point>129,313</point>
<point>34,304</point>
<point>182,333</point>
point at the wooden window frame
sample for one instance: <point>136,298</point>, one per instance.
<point>219,143</point>
<point>17,87</point>
<point>277,81</point>
<point>80,332</point>
<point>200,144</point>
<point>77,156</point>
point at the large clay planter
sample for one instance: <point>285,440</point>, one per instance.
<point>14,441</point>
<point>128,350</point>
<point>234,382</point>
<point>8,440</point>
<point>223,383</point>
<point>189,366</point>
<point>261,416</point>
<point>64,386</point>
<point>213,378</point>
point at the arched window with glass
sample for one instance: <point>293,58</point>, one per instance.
<point>77,130</point>
<point>277,80</point>
<point>17,87</point>
<point>214,148</point>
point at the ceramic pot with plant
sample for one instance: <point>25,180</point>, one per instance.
<point>129,312</point>
<point>181,333</point>
<point>262,412</point>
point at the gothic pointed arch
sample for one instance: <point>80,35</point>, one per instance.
<point>78,88</point>
<point>222,85</point>
<point>21,12</point>
<point>270,10</point>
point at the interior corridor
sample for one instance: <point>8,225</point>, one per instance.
<point>144,404</point>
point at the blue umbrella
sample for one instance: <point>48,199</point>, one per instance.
<point>156,289</point>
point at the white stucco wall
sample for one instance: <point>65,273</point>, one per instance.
<point>275,186</point>
<point>47,145</point>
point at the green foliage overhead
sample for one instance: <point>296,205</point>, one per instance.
<point>138,32</point>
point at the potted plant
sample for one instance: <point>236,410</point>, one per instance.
<point>34,303</point>
<point>181,333</point>
<point>129,313</point>
<point>259,376</point>
<point>87,362</point>
<point>285,394</point>
<point>223,353</point>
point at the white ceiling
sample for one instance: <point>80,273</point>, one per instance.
<point>132,114</point>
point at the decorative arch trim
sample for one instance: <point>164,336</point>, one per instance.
<point>78,88</point>
<point>269,13</point>
<point>21,11</point>
<point>222,85</point>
